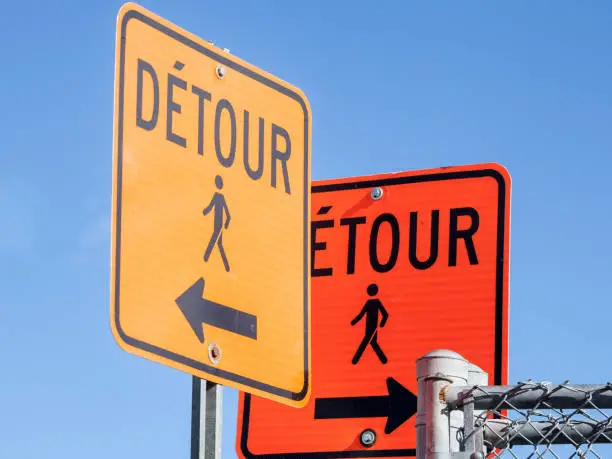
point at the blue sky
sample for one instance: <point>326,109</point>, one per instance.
<point>393,86</point>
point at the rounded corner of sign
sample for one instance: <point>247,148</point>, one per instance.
<point>127,11</point>
<point>124,10</point>
<point>242,447</point>
<point>300,399</point>
<point>500,173</point>
<point>120,336</point>
<point>128,6</point>
<point>304,102</point>
<point>301,403</point>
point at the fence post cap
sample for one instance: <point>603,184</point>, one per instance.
<point>477,376</point>
<point>442,353</point>
<point>442,364</point>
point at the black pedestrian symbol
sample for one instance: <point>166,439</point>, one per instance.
<point>222,220</point>
<point>370,310</point>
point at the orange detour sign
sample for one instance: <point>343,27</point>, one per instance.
<point>402,264</point>
<point>211,203</point>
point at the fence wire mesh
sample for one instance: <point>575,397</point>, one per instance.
<point>538,420</point>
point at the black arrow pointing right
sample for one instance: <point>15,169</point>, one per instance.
<point>399,406</point>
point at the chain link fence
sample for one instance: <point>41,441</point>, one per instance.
<point>460,416</point>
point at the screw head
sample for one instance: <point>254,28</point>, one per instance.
<point>367,438</point>
<point>220,71</point>
<point>214,353</point>
<point>376,193</point>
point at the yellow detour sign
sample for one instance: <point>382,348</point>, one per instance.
<point>211,204</point>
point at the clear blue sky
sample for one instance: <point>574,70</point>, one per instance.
<point>393,86</point>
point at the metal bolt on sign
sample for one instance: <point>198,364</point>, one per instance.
<point>367,437</point>
<point>214,353</point>
<point>376,193</point>
<point>220,71</point>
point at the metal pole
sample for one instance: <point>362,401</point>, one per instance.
<point>436,426</point>
<point>473,439</point>
<point>206,419</point>
<point>534,394</point>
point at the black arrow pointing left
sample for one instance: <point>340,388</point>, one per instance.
<point>399,406</point>
<point>199,310</point>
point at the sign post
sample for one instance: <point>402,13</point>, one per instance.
<point>401,264</point>
<point>211,201</point>
<point>206,419</point>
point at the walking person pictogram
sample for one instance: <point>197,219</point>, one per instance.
<point>221,221</point>
<point>371,310</point>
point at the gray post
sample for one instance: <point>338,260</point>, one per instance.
<point>436,426</point>
<point>473,440</point>
<point>206,419</point>
<point>531,394</point>
<point>477,376</point>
